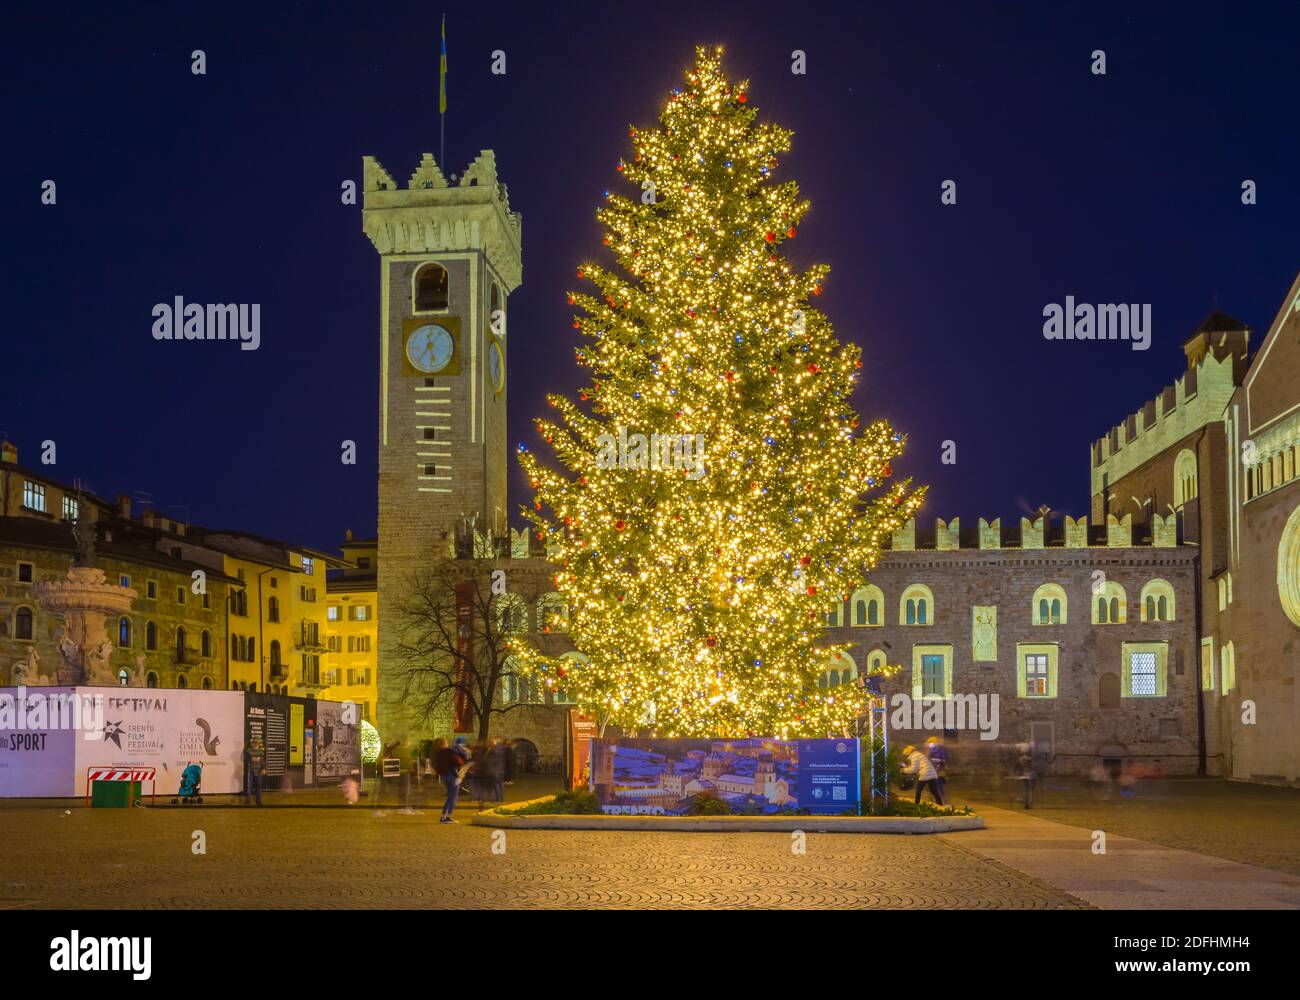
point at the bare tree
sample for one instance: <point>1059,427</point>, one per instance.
<point>454,623</point>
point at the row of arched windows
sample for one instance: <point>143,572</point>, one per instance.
<point>1050,605</point>
<point>512,613</point>
<point>126,636</point>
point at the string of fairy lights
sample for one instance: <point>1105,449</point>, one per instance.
<point>700,601</point>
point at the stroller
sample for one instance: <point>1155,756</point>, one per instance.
<point>191,780</point>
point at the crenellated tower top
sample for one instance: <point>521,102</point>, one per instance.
<point>432,214</point>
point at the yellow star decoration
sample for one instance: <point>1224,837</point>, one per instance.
<point>700,600</point>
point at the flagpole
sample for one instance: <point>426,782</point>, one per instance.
<point>442,96</point>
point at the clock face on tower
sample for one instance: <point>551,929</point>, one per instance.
<point>429,348</point>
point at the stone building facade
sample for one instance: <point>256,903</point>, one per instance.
<point>1220,449</point>
<point>1019,615</point>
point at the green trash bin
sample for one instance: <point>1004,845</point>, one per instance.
<point>115,794</point>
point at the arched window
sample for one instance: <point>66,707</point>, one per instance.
<point>207,684</point>
<point>1111,605</point>
<point>123,678</point>
<point>1108,691</point>
<point>1185,487</point>
<point>497,312</point>
<point>876,661</point>
<point>430,287</point>
<point>180,644</point>
<point>866,602</point>
<point>1157,601</point>
<point>1050,605</point>
<point>511,614</point>
<point>273,609</point>
<point>833,615</point>
<point>205,643</point>
<point>916,606</point>
<point>275,656</point>
<point>552,614</point>
<point>842,670</point>
<point>182,681</point>
<point>1228,667</point>
<point>252,650</point>
<point>150,636</point>
<point>151,679</point>
<point>23,623</point>
<point>1223,593</point>
<point>124,632</point>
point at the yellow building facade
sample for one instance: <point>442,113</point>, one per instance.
<point>351,661</point>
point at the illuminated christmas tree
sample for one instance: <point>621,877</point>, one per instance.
<point>715,493</point>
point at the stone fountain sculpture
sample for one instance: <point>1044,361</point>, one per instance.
<point>87,602</point>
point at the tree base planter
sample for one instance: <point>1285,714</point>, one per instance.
<point>734,824</point>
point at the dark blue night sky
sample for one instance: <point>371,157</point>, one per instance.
<point>225,188</point>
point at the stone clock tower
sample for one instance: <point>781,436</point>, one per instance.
<point>449,256</point>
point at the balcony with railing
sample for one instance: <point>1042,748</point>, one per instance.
<point>307,637</point>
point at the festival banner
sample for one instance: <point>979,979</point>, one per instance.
<point>168,729</point>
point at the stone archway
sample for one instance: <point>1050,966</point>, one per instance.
<point>1288,568</point>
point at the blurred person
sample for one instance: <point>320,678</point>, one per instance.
<point>448,762</point>
<point>1025,772</point>
<point>508,772</point>
<point>938,754</point>
<point>500,754</point>
<point>917,763</point>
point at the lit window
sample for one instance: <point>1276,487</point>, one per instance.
<point>33,496</point>
<point>1144,665</point>
<point>430,288</point>
<point>71,508</point>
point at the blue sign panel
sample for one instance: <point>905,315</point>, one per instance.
<point>829,775</point>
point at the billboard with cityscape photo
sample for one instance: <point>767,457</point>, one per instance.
<point>669,777</point>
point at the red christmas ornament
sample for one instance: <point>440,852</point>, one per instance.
<point>805,561</point>
<point>817,289</point>
<point>813,369</point>
<point>742,97</point>
<point>711,641</point>
<point>770,237</point>
<point>791,232</point>
<point>619,168</point>
<point>730,376</point>
<point>561,672</point>
<point>579,272</point>
<point>620,525</point>
<point>887,470</point>
<point>812,591</point>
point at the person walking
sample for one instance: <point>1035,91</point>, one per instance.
<point>500,758</point>
<point>919,764</point>
<point>254,769</point>
<point>938,754</point>
<point>447,763</point>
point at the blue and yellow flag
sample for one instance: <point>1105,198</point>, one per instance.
<point>442,70</point>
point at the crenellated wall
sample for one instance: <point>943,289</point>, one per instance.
<point>1070,533</point>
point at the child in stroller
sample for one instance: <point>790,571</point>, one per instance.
<point>191,780</point>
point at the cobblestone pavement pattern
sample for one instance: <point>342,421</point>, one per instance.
<point>356,858</point>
